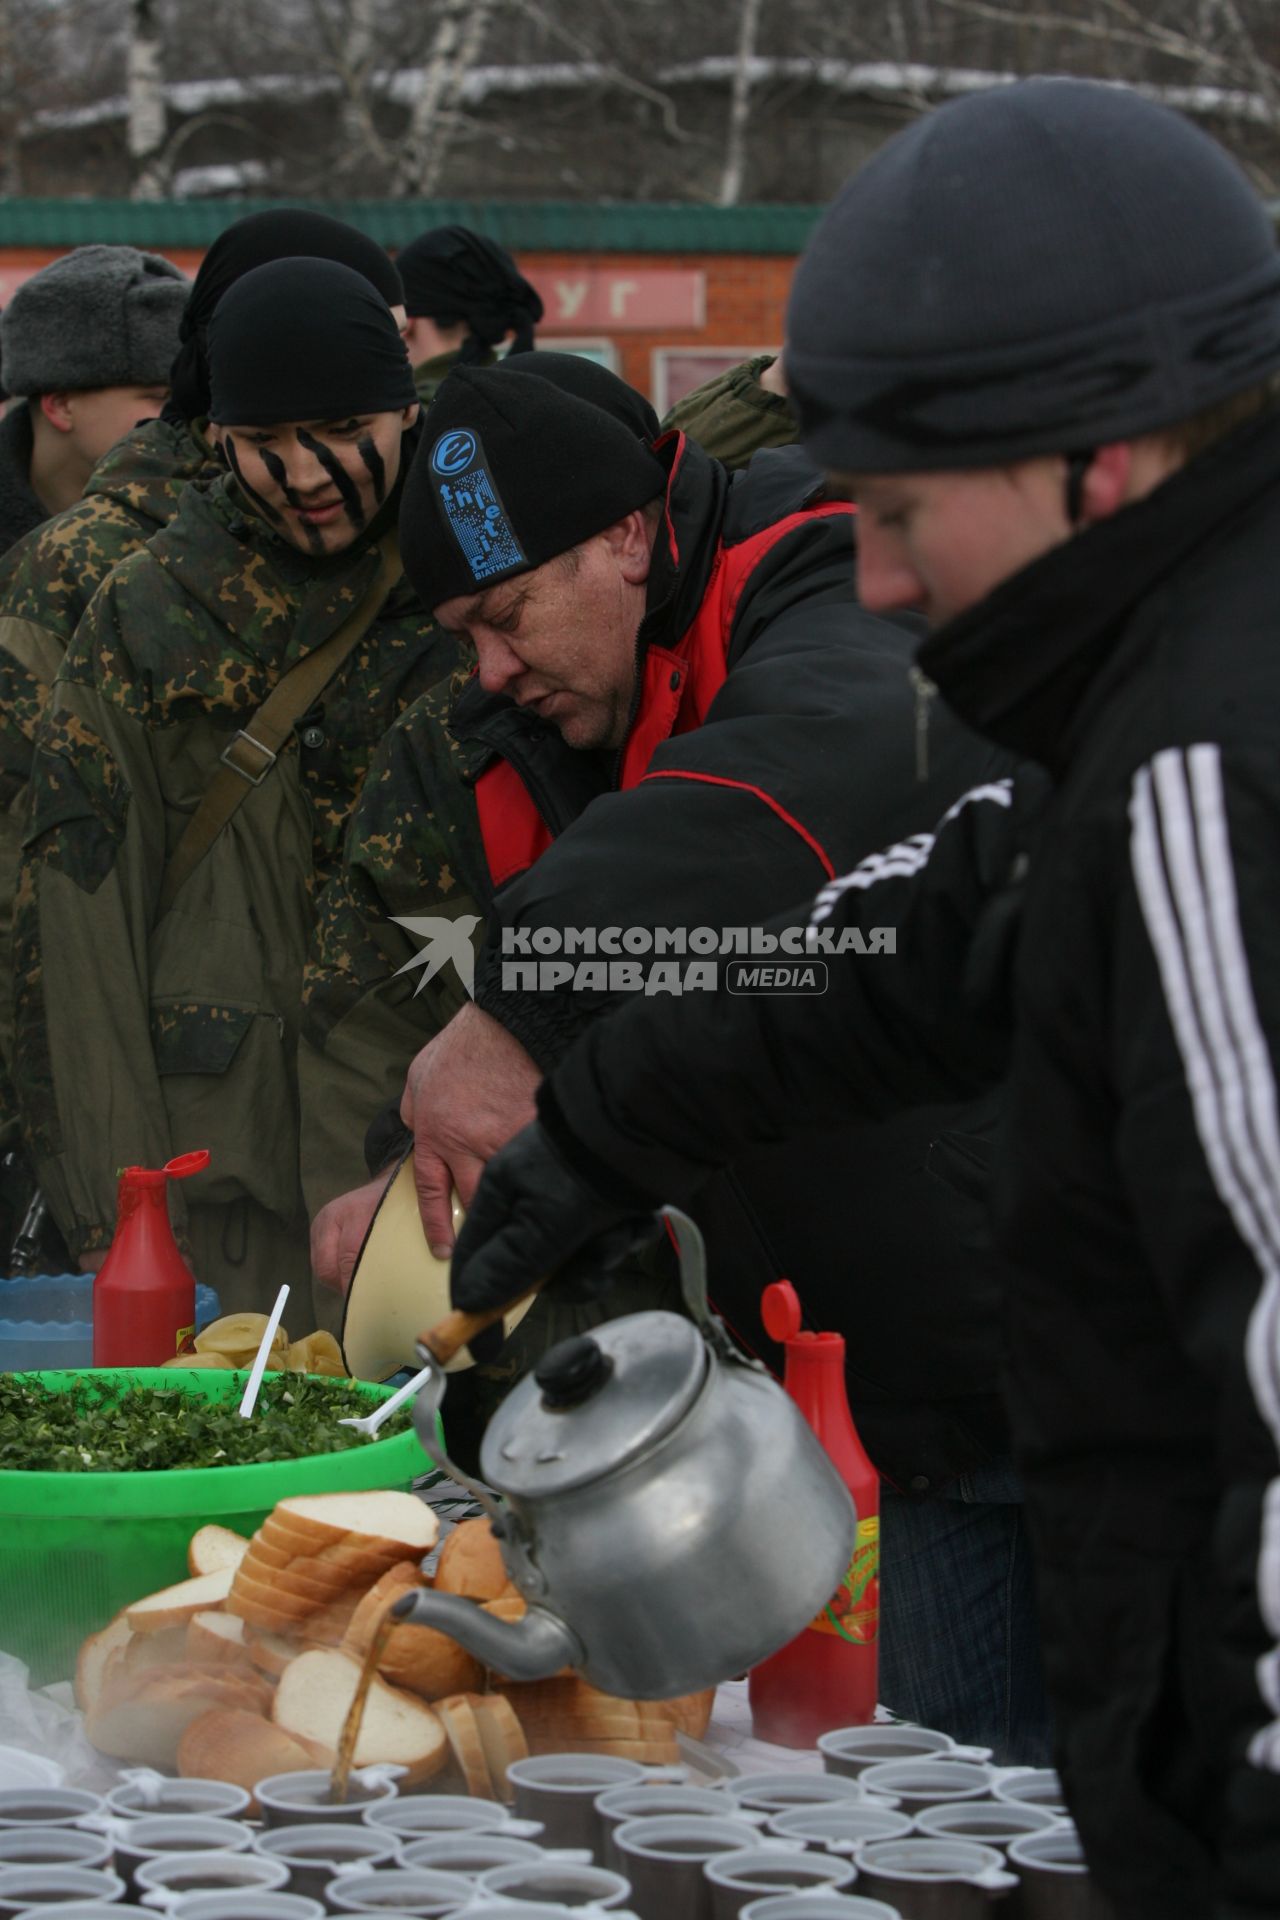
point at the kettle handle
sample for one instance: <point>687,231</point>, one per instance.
<point>458,1330</point>
<point>692,1252</point>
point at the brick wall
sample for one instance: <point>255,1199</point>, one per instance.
<point>745,299</point>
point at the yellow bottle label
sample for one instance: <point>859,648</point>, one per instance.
<point>184,1340</point>
<point>853,1611</point>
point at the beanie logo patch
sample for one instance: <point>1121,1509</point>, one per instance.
<point>453,453</point>
<point>470,503</point>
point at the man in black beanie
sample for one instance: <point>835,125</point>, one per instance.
<point>49,577</point>
<point>680,714</point>
<point>464,296</point>
<point>206,739</point>
<point>1039,337</point>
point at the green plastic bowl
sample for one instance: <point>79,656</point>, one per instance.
<point>76,1547</point>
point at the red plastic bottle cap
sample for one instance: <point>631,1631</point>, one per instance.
<point>185,1163</point>
<point>780,1310</point>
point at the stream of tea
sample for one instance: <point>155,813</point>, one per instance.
<point>340,1780</point>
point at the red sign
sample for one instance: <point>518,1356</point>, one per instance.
<point>620,300</point>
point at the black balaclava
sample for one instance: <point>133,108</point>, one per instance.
<point>451,274</point>
<point>574,373</point>
<point>304,340</point>
<point>280,234</point>
<point>511,471</point>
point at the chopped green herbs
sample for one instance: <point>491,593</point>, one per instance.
<point>121,1426</point>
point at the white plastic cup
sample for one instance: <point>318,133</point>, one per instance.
<point>551,1884</point>
<point>851,1750</point>
<point>737,1879</point>
<point>818,1906</point>
<point>419,1816</point>
<point>840,1829</point>
<point>776,1792</point>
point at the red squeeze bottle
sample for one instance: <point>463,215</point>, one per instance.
<point>826,1676</point>
<point>144,1298</point>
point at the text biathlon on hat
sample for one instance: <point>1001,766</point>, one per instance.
<point>513,470</point>
<point>304,340</point>
<point>1038,268</point>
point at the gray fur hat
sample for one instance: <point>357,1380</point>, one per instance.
<point>99,317</point>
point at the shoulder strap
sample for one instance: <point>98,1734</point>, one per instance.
<point>248,757</point>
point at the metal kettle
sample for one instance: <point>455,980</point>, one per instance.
<point>665,1510</point>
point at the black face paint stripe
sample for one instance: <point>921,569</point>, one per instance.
<point>338,474</point>
<point>233,461</point>
<point>276,468</point>
<point>373,461</point>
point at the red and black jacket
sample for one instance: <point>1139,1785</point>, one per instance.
<point>776,740</point>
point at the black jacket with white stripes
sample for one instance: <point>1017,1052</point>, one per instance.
<point>1121,952</point>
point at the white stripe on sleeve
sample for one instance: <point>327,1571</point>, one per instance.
<point>907,857</point>
<point>1181,854</point>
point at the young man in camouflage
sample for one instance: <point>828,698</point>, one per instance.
<point>48,577</point>
<point>151,1015</point>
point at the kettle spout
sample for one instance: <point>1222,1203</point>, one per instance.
<point>530,1648</point>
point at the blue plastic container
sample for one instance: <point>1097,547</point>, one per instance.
<point>46,1321</point>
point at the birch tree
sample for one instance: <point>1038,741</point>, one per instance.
<point>147,116</point>
<point>735,158</point>
<point>458,40</point>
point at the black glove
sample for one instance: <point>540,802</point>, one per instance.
<point>534,1214</point>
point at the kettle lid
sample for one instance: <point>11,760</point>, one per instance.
<point>593,1404</point>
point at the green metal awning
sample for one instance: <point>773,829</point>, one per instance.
<point>537,226</point>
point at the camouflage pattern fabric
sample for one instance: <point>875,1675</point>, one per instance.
<point>429,374</point>
<point>733,416</point>
<point>413,849</point>
<point>139,1037</point>
<point>46,581</point>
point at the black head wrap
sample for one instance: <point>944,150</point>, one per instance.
<point>511,471</point>
<point>304,340</point>
<point>280,234</point>
<point>451,274</point>
<point>574,373</point>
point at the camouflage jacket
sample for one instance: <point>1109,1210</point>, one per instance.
<point>139,1034</point>
<point>733,416</point>
<point>46,581</point>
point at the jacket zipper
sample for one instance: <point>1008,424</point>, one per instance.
<point>926,692</point>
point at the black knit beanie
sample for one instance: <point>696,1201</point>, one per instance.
<point>511,472</point>
<point>280,233</point>
<point>451,274</point>
<point>304,340</point>
<point>1036,269</point>
<point>574,373</point>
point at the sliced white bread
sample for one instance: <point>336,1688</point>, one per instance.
<point>229,1743</point>
<point>502,1738</point>
<point>270,1652</point>
<point>92,1660</point>
<point>217,1639</point>
<point>312,1698</point>
<point>213,1548</point>
<point>458,1717</point>
<point>145,1720</point>
<point>329,1626</point>
<point>174,1606</point>
<point>329,1518</point>
<point>425,1661</point>
<point>471,1563</point>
